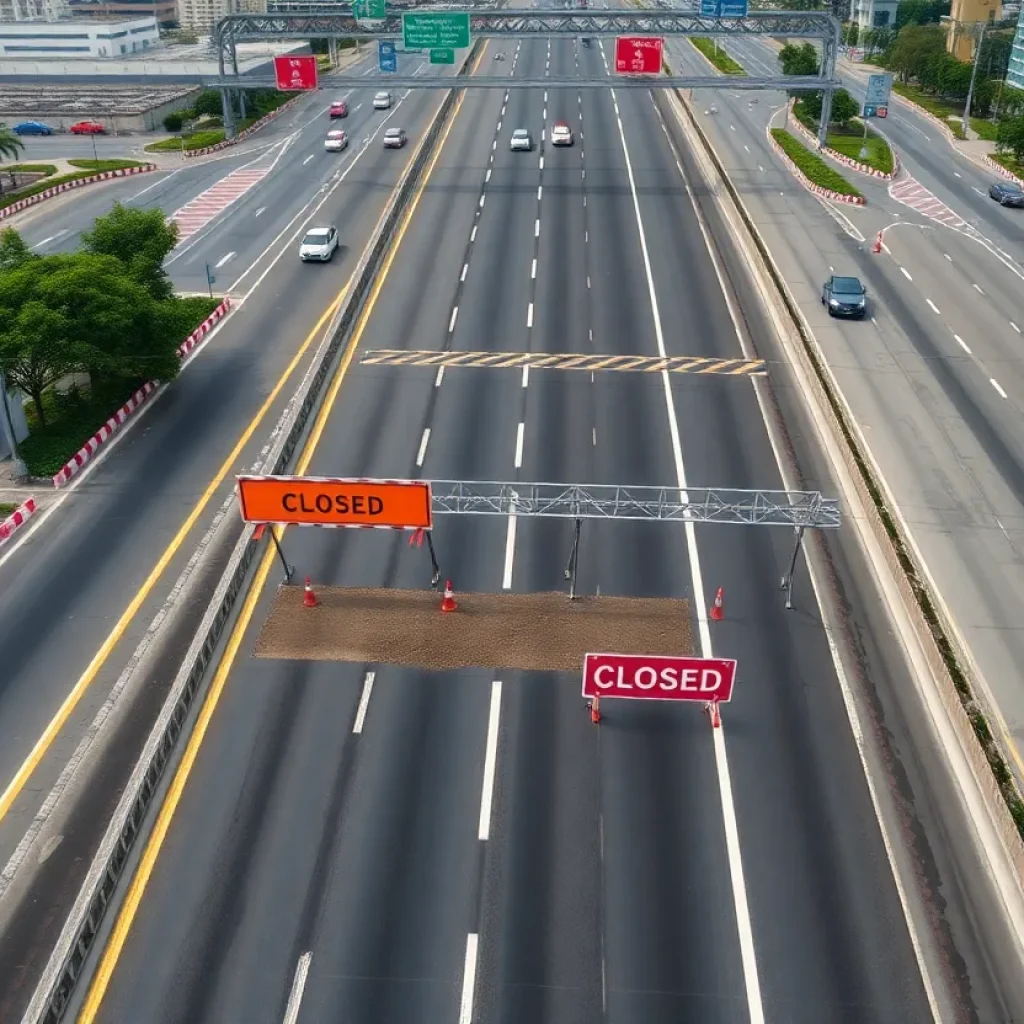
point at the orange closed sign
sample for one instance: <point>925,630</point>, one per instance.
<point>334,501</point>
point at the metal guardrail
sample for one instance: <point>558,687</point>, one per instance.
<point>65,966</point>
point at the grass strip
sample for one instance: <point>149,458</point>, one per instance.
<point>98,166</point>
<point>30,169</point>
<point>71,419</point>
<point>811,165</point>
<point>717,56</point>
<point>6,508</point>
<point>46,183</point>
<point>849,140</point>
<point>197,140</point>
<point>940,108</point>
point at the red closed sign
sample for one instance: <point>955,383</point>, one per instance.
<point>295,74</point>
<point>651,677</point>
<point>638,55</point>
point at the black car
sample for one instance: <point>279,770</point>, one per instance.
<point>845,296</point>
<point>1007,193</point>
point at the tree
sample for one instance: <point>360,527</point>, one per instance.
<point>208,104</point>
<point>10,144</point>
<point>798,60</point>
<point>844,106</point>
<point>1010,136</point>
<point>141,240</point>
<point>13,250</point>
<point>916,49</point>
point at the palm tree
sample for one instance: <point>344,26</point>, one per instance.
<point>10,146</point>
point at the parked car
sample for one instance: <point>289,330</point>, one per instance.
<point>381,101</point>
<point>32,128</point>
<point>339,108</point>
<point>87,128</point>
<point>335,142</point>
<point>394,138</point>
<point>845,296</point>
<point>1007,193</point>
<point>319,244</point>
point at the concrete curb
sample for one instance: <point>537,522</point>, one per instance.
<point>820,190</point>
<point>89,449</point>
<point>1001,170</point>
<point>848,161</point>
<point>18,518</point>
<point>191,154</point>
<point>67,186</point>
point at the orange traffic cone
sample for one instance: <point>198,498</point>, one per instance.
<point>309,598</point>
<point>877,247</point>
<point>595,710</point>
<point>448,601</point>
<point>716,609</point>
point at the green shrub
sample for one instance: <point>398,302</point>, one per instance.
<point>811,165</point>
<point>98,166</point>
<point>173,121</point>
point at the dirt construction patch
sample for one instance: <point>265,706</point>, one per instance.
<point>530,632</point>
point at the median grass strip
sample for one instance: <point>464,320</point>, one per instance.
<point>72,418</point>
<point>197,140</point>
<point>42,186</point>
<point>30,169</point>
<point>811,165</point>
<point>717,56</point>
<point>98,166</point>
<point>940,108</point>
<point>849,140</point>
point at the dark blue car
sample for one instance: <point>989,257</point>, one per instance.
<point>32,128</point>
<point>1007,193</point>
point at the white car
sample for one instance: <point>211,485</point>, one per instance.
<point>319,244</point>
<point>561,134</point>
<point>521,139</point>
<point>382,101</point>
<point>335,142</point>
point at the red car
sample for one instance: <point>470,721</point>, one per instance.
<point>87,128</point>
<point>339,108</point>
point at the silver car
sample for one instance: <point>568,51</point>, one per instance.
<point>319,244</point>
<point>382,101</point>
<point>521,139</point>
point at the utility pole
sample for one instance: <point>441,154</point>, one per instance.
<point>974,75</point>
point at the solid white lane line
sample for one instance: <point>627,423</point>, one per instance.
<point>935,309</point>
<point>962,343</point>
<point>439,377</point>
<point>422,453</point>
<point>220,263</point>
<point>490,762</point>
<point>451,323</point>
<point>526,376</point>
<point>510,551</point>
<point>468,981</point>
<point>529,315</point>
<point>52,238</point>
<point>977,288</point>
<point>996,385</point>
<point>906,273</point>
<point>748,957</point>
<point>520,432</point>
<point>364,697</point>
<point>291,1011</point>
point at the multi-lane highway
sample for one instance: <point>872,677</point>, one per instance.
<point>345,847</point>
<point>936,378</point>
<point>80,589</point>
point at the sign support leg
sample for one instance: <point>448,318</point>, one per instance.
<point>574,557</point>
<point>787,580</point>
<point>288,570</point>
<point>435,579</point>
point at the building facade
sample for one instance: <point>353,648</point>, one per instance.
<point>965,19</point>
<point>201,15</point>
<point>32,10</point>
<point>869,14</point>
<point>1015,72</point>
<point>165,11</point>
<point>78,39</point>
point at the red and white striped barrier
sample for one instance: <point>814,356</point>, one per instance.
<point>18,518</point>
<point>67,186</point>
<point>1001,170</point>
<point>70,469</point>
<point>192,153</point>
<point>839,197</point>
<point>204,328</point>
<point>848,161</point>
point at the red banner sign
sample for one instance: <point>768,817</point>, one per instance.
<point>638,55</point>
<point>295,74</point>
<point>651,677</point>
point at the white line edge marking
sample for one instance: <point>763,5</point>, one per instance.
<point>424,441</point>
<point>510,551</point>
<point>819,588</point>
<point>746,935</point>
<point>364,701</point>
<point>490,763</point>
<point>997,386</point>
<point>291,1012</point>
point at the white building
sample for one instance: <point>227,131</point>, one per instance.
<point>42,40</point>
<point>871,14</point>
<point>202,15</point>
<point>32,10</point>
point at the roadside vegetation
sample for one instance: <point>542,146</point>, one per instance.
<point>202,124</point>
<point>9,196</point>
<point>6,508</point>
<point>79,362</point>
<point>811,165</point>
<point>717,56</point>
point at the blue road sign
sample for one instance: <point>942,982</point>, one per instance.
<point>709,8</point>
<point>878,90</point>
<point>733,9</point>
<point>387,58</point>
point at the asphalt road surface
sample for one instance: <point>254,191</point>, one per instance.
<point>333,846</point>
<point>79,590</point>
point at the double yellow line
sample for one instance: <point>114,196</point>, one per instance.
<point>154,844</point>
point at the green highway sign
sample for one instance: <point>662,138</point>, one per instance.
<point>445,55</point>
<point>436,30</point>
<point>370,10</point>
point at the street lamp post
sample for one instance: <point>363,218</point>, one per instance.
<point>974,76</point>
<point>19,471</point>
